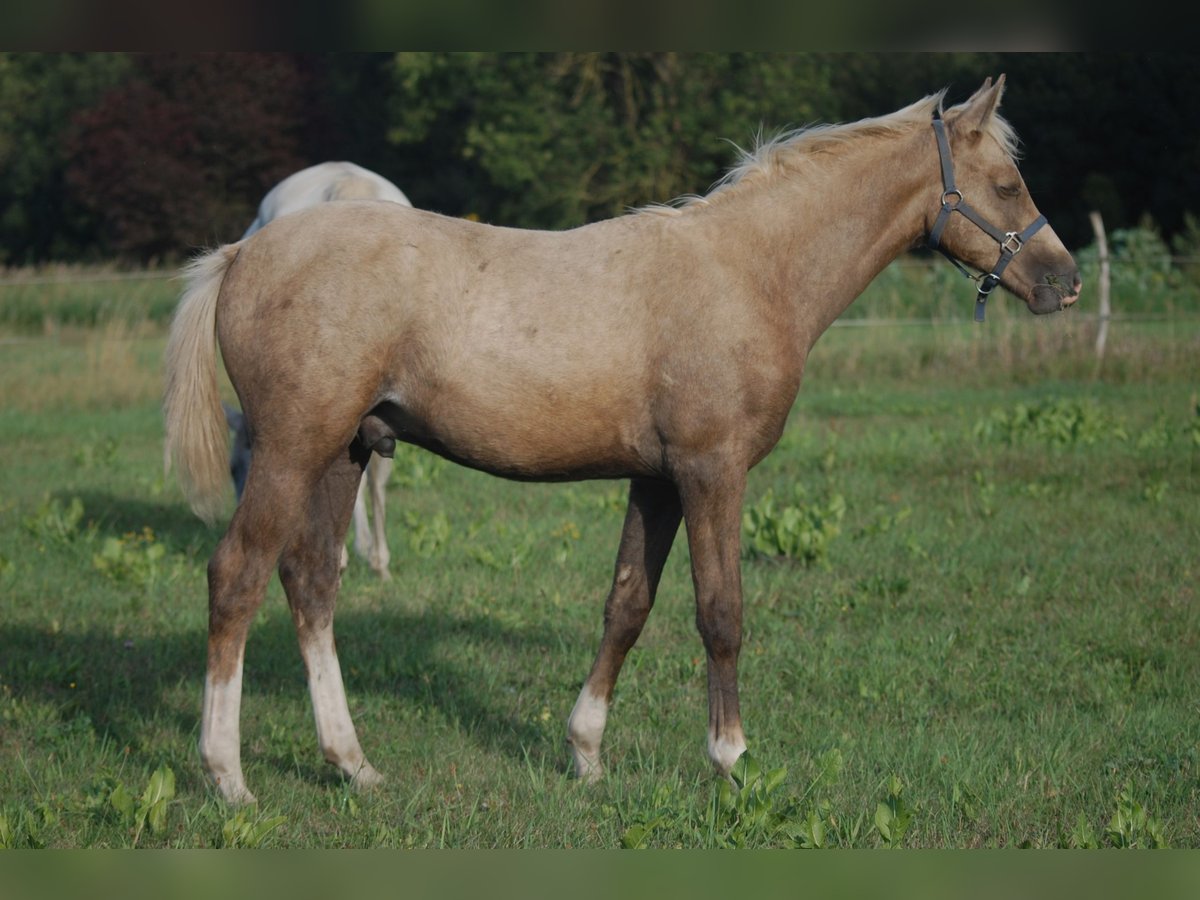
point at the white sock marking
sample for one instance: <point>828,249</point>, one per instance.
<point>220,737</point>
<point>724,750</point>
<point>335,729</point>
<point>585,730</point>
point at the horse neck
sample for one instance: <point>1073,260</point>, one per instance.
<point>835,221</point>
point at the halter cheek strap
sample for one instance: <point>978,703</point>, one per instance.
<point>1010,242</point>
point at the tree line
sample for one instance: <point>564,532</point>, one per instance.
<point>148,157</point>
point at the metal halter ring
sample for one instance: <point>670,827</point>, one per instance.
<point>987,283</point>
<point>946,201</point>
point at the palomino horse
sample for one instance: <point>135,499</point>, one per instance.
<point>319,184</point>
<point>664,346</point>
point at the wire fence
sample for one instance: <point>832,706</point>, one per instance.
<point>20,278</point>
<point>1128,318</point>
<point>84,277</point>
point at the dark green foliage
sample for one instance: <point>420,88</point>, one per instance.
<point>153,155</point>
<point>553,140</point>
<point>177,157</point>
<point>39,96</point>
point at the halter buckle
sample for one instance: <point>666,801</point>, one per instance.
<point>1012,243</point>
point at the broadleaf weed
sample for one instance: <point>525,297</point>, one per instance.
<point>248,831</point>
<point>133,559</point>
<point>1130,827</point>
<point>57,523</point>
<point>427,535</point>
<point>151,810</point>
<point>800,531</point>
<point>749,809</point>
<point>894,814</point>
<point>1057,422</point>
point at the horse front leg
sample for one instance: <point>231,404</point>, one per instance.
<point>370,531</point>
<point>651,520</point>
<point>311,574</point>
<point>379,470</point>
<point>712,507</point>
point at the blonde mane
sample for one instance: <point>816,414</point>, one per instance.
<point>792,147</point>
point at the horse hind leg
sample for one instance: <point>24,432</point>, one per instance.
<point>238,574</point>
<point>651,520</point>
<point>310,569</point>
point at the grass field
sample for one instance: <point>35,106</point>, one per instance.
<point>989,638</point>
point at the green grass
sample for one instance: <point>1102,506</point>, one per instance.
<point>67,297</point>
<point>997,647</point>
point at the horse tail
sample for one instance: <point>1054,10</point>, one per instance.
<point>196,438</point>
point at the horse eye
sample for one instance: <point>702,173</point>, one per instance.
<point>1008,190</point>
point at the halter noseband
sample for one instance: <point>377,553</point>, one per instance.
<point>1010,242</point>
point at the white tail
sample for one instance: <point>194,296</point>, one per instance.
<point>196,439</point>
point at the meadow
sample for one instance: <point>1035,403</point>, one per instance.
<point>971,611</point>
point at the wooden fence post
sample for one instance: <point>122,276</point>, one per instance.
<point>1105,309</point>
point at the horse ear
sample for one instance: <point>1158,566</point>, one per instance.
<point>978,110</point>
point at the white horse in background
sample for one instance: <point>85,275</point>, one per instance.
<point>322,183</point>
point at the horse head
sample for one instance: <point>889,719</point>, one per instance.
<point>998,229</point>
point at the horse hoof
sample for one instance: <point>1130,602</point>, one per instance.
<point>236,794</point>
<point>588,767</point>
<point>366,778</point>
<point>591,775</point>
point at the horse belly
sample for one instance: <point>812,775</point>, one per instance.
<point>549,435</point>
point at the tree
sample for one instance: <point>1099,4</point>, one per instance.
<point>178,156</point>
<point>154,155</point>
<point>39,93</point>
<point>552,140</point>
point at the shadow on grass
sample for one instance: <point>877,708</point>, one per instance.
<point>174,525</point>
<point>141,689</point>
<point>132,686</point>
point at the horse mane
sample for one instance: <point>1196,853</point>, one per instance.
<point>793,147</point>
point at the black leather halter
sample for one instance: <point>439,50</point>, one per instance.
<point>952,201</point>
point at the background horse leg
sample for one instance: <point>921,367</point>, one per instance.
<point>362,524</point>
<point>238,574</point>
<point>651,520</point>
<point>712,509</point>
<point>379,470</point>
<point>370,535</point>
<point>311,573</point>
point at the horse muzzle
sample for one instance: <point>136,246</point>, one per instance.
<point>1054,293</point>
